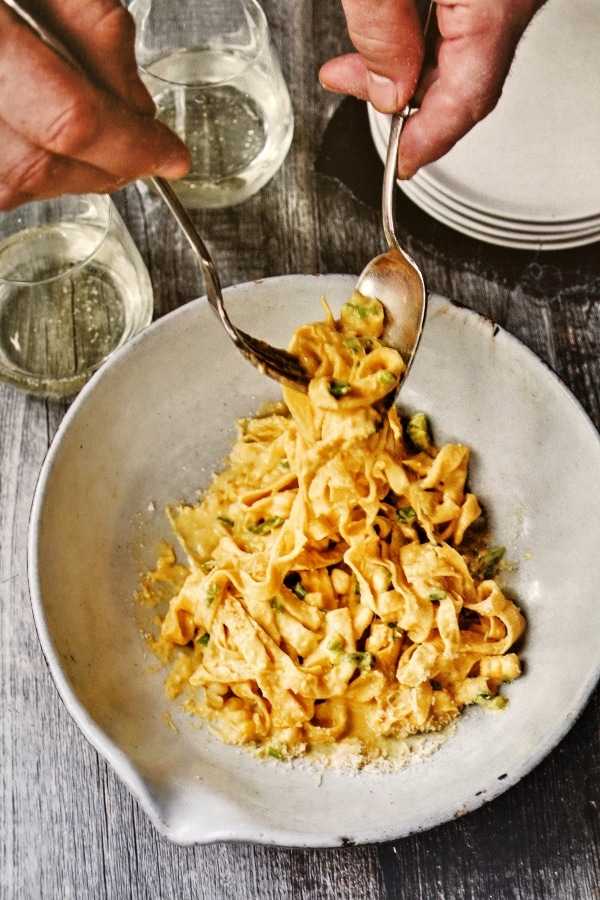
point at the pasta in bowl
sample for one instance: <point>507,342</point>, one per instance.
<point>324,603</point>
<point>153,426</point>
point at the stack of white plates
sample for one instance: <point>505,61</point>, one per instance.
<point>527,176</point>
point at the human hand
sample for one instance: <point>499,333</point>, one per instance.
<point>476,45</point>
<point>63,133</point>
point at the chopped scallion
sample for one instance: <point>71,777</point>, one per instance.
<point>487,564</point>
<point>362,660</point>
<point>226,521</point>
<point>212,592</point>
<point>489,702</point>
<point>418,431</point>
<point>353,345</point>
<point>266,526</point>
<point>339,389</point>
<point>363,310</point>
<point>336,643</point>
<point>299,590</point>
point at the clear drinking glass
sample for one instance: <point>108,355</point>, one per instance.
<point>216,82</point>
<point>73,288</point>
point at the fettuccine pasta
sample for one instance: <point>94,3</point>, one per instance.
<point>324,597</point>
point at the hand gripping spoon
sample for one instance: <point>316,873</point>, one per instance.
<point>393,278</point>
<point>273,361</point>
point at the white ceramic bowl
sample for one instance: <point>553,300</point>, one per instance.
<point>152,426</point>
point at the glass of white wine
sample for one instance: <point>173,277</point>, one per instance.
<point>73,288</point>
<point>216,82</point>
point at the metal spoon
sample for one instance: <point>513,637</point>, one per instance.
<point>279,364</point>
<point>393,277</point>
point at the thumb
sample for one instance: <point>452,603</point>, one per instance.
<point>389,41</point>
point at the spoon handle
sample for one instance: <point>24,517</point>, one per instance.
<point>200,251</point>
<point>388,200</point>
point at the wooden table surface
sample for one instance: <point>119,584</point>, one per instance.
<point>68,826</point>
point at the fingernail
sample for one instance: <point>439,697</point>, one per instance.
<point>174,167</point>
<point>406,172</point>
<point>383,92</point>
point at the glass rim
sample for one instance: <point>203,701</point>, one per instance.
<point>80,263</point>
<point>263,26</point>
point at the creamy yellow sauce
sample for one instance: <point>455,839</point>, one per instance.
<point>324,598</point>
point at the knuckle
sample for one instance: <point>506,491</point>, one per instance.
<point>35,171</point>
<point>468,106</point>
<point>480,104</point>
<point>376,47</point>
<point>11,197</point>
<point>73,130</point>
<point>115,25</point>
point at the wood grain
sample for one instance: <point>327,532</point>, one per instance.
<point>68,827</point>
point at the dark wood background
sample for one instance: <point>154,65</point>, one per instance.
<point>68,827</point>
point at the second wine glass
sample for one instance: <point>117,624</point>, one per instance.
<point>217,83</point>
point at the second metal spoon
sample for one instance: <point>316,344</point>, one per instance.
<point>393,277</point>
